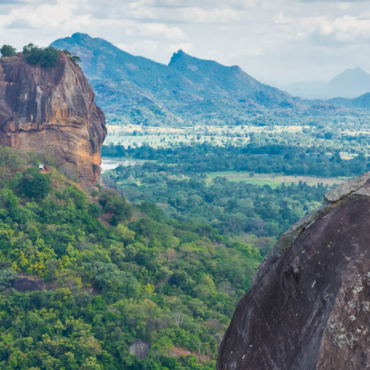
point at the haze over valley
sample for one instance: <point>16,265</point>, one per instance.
<point>350,84</point>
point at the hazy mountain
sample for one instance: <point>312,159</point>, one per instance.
<point>187,89</point>
<point>304,89</point>
<point>350,84</point>
<point>362,102</point>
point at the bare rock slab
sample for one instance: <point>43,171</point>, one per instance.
<point>52,111</point>
<point>140,349</point>
<point>309,306</point>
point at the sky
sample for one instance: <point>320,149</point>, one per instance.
<point>275,41</point>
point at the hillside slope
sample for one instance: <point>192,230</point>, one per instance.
<point>188,89</point>
<point>85,280</point>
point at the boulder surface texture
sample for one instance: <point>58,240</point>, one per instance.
<point>309,306</point>
<point>52,111</point>
<point>140,349</point>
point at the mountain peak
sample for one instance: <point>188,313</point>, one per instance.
<point>355,71</point>
<point>79,35</point>
<point>122,81</point>
<point>180,55</point>
<point>352,81</point>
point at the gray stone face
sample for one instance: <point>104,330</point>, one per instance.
<point>52,111</point>
<point>347,188</point>
<point>140,349</point>
<point>309,306</point>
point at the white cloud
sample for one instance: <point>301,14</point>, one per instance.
<point>346,29</point>
<point>160,30</point>
<point>207,16</point>
<point>139,48</point>
<point>344,6</point>
<point>195,14</point>
<point>186,47</point>
<point>248,52</point>
<point>45,15</point>
<point>271,39</point>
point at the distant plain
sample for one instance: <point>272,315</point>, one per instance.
<point>273,181</point>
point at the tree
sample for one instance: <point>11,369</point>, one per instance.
<point>32,53</point>
<point>47,57</point>
<point>178,317</point>
<point>112,202</point>
<point>75,59</point>
<point>35,184</point>
<point>8,51</point>
<point>11,158</point>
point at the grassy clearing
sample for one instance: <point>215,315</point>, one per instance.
<point>271,180</point>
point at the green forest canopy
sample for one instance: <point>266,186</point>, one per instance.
<point>269,159</point>
<point>234,208</point>
<point>108,275</point>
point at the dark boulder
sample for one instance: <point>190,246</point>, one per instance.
<point>309,306</point>
<point>23,285</point>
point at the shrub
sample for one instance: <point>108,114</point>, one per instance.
<point>8,51</point>
<point>74,58</point>
<point>112,202</point>
<point>47,57</point>
<point>35,184</point>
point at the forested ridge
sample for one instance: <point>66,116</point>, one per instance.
<point>106,274</point>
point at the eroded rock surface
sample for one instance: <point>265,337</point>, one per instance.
<point>309,306</point>
<point>140,349</point>
<point>52,111</point>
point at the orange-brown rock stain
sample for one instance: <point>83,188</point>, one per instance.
<point>52,111</point>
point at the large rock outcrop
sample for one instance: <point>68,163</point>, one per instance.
<point>140,349</point>
<point>52,111</point>
<point>309,306</point>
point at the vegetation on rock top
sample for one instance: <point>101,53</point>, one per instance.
<point>47,57</point>
<point>8,51</point>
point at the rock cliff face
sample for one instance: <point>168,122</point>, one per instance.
<point>52,111</point>
<point>309,306</point>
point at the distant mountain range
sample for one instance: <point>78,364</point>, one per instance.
<point>133,89</point>
<point>352,83</point>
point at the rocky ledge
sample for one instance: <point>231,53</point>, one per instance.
<point>52,111</point>
<point>309,306</point>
